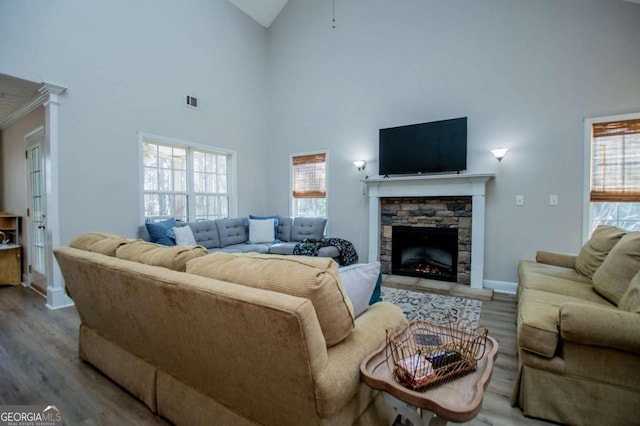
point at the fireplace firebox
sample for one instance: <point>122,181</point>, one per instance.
<point>425,252</point>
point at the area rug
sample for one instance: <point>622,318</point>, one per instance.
<point>436,308</point>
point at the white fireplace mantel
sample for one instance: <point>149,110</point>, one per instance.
<point>473,185</point>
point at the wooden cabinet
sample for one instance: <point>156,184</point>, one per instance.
<point>10,262</point>
<point>9,229</point>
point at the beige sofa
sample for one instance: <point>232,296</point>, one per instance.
<point>578,333</point>
<point>275,343</point>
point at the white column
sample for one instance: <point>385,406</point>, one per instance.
<point>374,227</point>
<point>56,295</point>
<point>477,240</point>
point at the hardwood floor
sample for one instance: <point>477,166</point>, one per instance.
<point>39,365</point>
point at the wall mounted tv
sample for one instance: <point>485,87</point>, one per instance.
<point>438,146</point>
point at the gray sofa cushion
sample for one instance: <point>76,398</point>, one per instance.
<point>143,233</point>
<point>287,248</point>
<point>284,228</point>
<point>243,248</point>
<point>307,227</point>
<point>231,231</point>
<point>282,248</point>
<point>206,233</point>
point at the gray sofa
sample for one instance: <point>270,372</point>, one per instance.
<point>231,235</point>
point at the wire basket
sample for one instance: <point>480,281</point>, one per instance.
<point>423,355</point>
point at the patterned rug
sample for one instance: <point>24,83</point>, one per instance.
<point>435,307</point>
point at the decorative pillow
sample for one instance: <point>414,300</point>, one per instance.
<point>630,301</point>
<point>276,223</point>
<point>261,231</point>
<point>376,296</point>
<point>183,236</point>
<point>594,252</point>
<point>313,278</point>
<point>622,263</point>
<point>158,231</point>
<point>175,257</point>
<point>359,282</point>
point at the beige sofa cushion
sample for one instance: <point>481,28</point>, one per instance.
<point>313,278</point>
<point>98,242</point>
<point>593,253</point>
<point>630,300</point>
<point>612,278</point>
<point>171,257</point>
<point>538,327</point>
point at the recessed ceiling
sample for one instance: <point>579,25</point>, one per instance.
<point>263,11</point>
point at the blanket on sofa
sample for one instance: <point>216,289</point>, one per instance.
<point>310,247</point>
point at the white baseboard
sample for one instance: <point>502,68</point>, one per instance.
<point>501,286</point>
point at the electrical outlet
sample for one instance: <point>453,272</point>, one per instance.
<point>553,200</point>
<point>519,200</point>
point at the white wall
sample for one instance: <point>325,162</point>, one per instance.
<point>526,73</point>
<point>128,65</point>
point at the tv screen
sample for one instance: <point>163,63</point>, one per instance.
<point>438,146</point>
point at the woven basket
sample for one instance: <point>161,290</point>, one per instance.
<point>423,355</point>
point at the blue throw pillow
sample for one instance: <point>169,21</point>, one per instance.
<point>158,231</point>
<point>276,222</point>
<point>376,296</point>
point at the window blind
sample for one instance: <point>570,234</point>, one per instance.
<point>309,173</point>
<point>615,161</point>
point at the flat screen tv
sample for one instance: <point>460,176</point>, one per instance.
<point>438,146</point>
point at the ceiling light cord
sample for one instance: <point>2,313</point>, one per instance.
<point>334,14</point>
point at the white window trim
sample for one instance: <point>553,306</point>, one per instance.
<point>326,160</point>
<point>586,205</point>
<point>232,174</point>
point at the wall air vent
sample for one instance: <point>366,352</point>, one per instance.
<point>192,101</point>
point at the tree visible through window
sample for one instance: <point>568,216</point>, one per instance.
<point>309,196</point>
<point>615,173</point>
<point>184,182</point>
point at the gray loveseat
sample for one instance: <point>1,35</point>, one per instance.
<point>232,235</point>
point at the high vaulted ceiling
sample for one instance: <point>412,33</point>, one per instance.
<point>15,93</point>
<point>263,11</point>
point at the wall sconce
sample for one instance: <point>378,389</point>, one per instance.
<point>360,165</point>
<point>499,153</point>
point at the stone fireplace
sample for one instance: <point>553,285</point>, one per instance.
<point>428,237</point>
<point>442,201</point>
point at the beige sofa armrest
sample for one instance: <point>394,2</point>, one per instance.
<point>600,326</point>
<point>340,379</point>
<point>558,259</point>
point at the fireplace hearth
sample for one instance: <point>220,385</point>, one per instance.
<point>425,252</point>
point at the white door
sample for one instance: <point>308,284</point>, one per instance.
<point>36,217</point>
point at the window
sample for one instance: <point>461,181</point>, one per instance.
<point>614,181</point>
<point>183,181</point>
<point>309,185</point>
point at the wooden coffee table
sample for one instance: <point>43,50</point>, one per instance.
<point>459,400</point>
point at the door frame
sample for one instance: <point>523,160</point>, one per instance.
<point>28,232</point>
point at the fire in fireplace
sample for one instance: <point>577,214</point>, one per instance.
<point>425,252</point>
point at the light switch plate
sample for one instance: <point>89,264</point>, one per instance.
<point>553,200</point>
<point>519,200</point>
